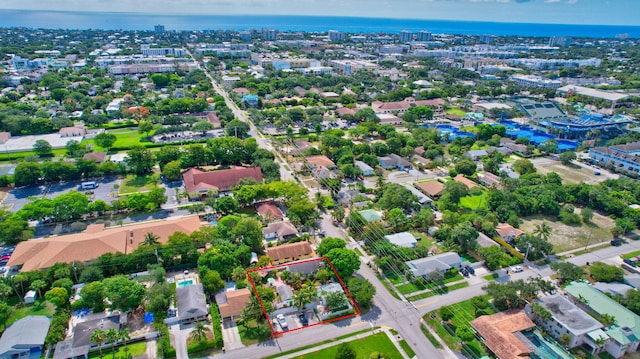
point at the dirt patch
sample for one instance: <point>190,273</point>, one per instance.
<point>565,237</point>
<point>569,173</point>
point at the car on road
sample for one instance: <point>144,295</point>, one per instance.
<point>282,321</point>
<point>303,320</point>
<point>597,173</point>
<point>516,269</point>
<point>617,242</point>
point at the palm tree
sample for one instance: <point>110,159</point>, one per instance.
<point>305,295</point>
<point>543,230</point>
<point>99,336</point>
<point>112,337</point>
<point>150,239</point>
<point>124,335</point>
<point>199,332</point>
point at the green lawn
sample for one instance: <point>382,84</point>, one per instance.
<point>40,307</point>
<point>456,111</point>
<point>491,276</point>
<point>411,287</point>
<point>631,254</point>
<point>251,335</point>
<point>134,350</point>
<point>125,137</point>
<point>474,202</point>
<point>133,184</point>
<point>364,347</point>
<point>407,348</point>
<point>439,291</point>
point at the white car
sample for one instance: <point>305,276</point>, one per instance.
<point>516,269</point>
<point>282,322</point>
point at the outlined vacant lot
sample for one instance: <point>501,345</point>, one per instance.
<point>307,268</point>
<point>569,173</point>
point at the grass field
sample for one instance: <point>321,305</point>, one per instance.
<point>474,202</point>
<point>565,237</point>
<point>132,184</point>
<point>410,287</point>
<point>40,307</point>
<point>443,290</point>
<point>125,137</point>
<point>133,350</point>
<point>456,111</point>
<point>363,347</point>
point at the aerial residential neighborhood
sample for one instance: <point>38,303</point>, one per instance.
<point>266,193</point>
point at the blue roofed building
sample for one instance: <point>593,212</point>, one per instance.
<point>25,338</point>
<point>251,100</point>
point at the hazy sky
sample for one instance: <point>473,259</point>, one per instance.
<point>596,12</point>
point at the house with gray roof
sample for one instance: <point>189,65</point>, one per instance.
<point>192,304</point>
<point>365,168</point>
<point>403,239</point>
<point>393,161</point>
<point>442,263</point>
<point>79,345</point>
<point>25,338</point>
<point>566,318</point>
<point>475,155</point>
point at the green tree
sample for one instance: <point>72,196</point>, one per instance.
<point>345,261</point>
<point>396,219</point>
<point>237,129</point>
<point>105,140</point>
<point>42,148</point>
<point>99,337</point>
<point>466,236</point>
<point>567,271</point>
<point>160,80</point>
<point>567,157</point>
<point>212,281</point>
<point>226,205</point>
<point>124,335</point>
<point>123,293</point>
<point>38,285</point>
<point>535,247</point>
<point>345,351</point>
<point>543,230</point>
<point>454,190</point>
<point>602,272</point>
<point>587,214</point>
<point>362,291</point>
<point>145,127</point>
<point>199,332</point>
<point>466,167</point>
<point>465,333</point>
<point>5,312</point>
<point>26,174</point>
<point>93,295</point>
<point>202,127</point>
<point>541,312</point>
<point>150,239</point>
<point>58,296</point>
<point>140,159</point>
<point>336,300</point>
<point>112,337</point>
<point>523,166</point>
<point>172,170</point>
<point>328,244</point>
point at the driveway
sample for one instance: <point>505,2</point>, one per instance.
<point>180,335</point>
<point>230,335</point>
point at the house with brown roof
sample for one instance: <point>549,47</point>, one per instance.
<point>268,211</point>
<point>213,118</point>
<point>95,241</point>
<point>231,303</point>
<point>320,161</point>
<point>98,157</point>
<point>489,179</point>
<point>290,252</point>
<point>198,183</point>
<point>432,189</point>
<point>400,107</point>
<point>464,180</point>
<point>280,231</point>
<point>240,91</point>
<point>499,332</point>
<point>342,111</point>
<point>508,232</point>
<point>72,131</point>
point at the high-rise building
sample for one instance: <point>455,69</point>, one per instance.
<point>269,34</point>
<point>159,29</point>
<point>559,41</point>
<point>405,36</point>
<point>245,35</point>
<point>424,36</point>
<point>335,35</point>
<point>487,39</point>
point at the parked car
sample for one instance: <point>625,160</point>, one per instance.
<point>597,173</point>
<point>617,242</point>
<point>516,269</point>
<point>471,270</point>
<point>303,320</point>
<point>282,322</point>
<point>6,257</point>
<point>629,261</point>
<point>464,272</point>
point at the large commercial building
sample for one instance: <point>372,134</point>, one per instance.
<point>622,157</point>
<point>405,36</point>
<point>335,35</point>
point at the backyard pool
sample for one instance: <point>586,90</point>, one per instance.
<point>185,283</point>
<point>546,349</point>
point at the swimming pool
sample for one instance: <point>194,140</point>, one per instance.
<point>185,283</point>
<point>546,349</point>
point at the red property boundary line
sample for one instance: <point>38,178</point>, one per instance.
<point>264,311</point>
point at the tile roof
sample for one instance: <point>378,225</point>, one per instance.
<point>96,156</point>
<point>320,161</point>
<point>268,210</point>
<point>497,331</point>
<point>506,230</point>
<point>432,188</point>
<point>282,229</point>
<point>464,180</point>
<point>292,250</point>
<point>236,300</point>
<point>95,241</point>
<point>221,180</point>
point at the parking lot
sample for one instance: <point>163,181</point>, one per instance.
<point>293,322</point>
<point>19,197</point>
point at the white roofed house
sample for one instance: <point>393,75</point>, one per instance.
<point>442,263</point>
<point>403,239</point>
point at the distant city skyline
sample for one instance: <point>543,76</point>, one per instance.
<point>586,12</point>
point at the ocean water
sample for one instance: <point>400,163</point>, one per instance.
<point>140,21</point>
